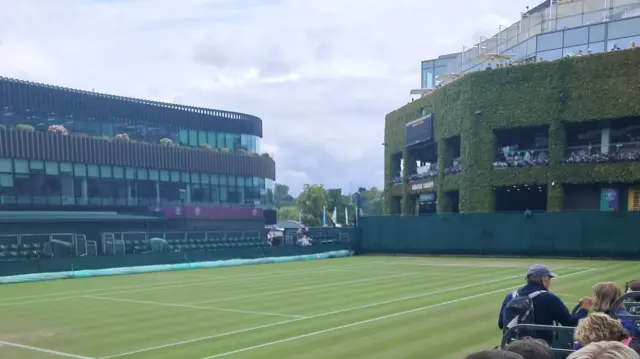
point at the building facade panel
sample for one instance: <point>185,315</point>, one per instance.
<point>68,149</point>
<point>50,147</point>
<point>98,115</point>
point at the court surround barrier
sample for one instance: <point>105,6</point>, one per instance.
<point>37,277</point>
<point>183,248</point>
<point>588,234</point>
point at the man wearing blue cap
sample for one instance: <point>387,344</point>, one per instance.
<point>534,304</point>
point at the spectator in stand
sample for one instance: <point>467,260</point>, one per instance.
<point>529,348</point>
<point>605,350</point>
<point>633,45</point>
<point>633,286</point>
<point>615,48</point>
<point>589,52</point>
<point>488,68</point>
<point>600,327</point>
<point>579,53</point>
<point>548,308</point>
<point>494,354</point>
<point>604,295</point>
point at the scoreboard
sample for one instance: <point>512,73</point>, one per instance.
<point>420,130</point>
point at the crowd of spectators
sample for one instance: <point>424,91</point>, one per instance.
<point>598,335</point>
<point>430,170</point>
<point>455,167</point>
<point>617,153</point>
<point>511,156</point>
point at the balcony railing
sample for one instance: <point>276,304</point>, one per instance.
<point>614,152</point>
<point>454,168</point>
<point>521,158</point>
<point>563,16</point>
<point>429,171</point>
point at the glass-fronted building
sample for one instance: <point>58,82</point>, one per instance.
<point>547,33</point>
<point>63,149</point>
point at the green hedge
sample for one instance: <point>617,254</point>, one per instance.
<point>596,87</point>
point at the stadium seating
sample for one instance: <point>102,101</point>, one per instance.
<point>26,246</point>
<point>33,246</point>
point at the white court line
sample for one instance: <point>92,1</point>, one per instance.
<point>191,306</point>
<point>396,271</point>
<point>361,322</point>
<point>41,350</point>
<point>487,265</point>
<point>69,294</point>
<point>311,317</point>
<point>367,321</point>
<point>162,286</point>
<point>305,288</point>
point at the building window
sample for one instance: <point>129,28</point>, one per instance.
<point>550,55</point>
<point>596,33</point>
<point>575,37</point>
<point>550,41</point>
<point>624,28</point>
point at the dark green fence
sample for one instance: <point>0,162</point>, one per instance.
<point>322,240</point>
<point>571,234</point>
<point>132,260</point>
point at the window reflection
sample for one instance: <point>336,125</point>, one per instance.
<point>550,55</point>
<point>90,127</point>
<point>31,182</point>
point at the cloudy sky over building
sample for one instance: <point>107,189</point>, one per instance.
<point>321,74</point>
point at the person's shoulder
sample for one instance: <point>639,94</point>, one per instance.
<point>549,297</point>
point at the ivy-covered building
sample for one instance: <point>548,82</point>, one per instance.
<point>555,135</point>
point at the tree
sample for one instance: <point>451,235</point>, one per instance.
<point>312,200</point>
<point>334,198</point>
<point>372,202</point>
<point>288,212</point>
<point>281,196</point>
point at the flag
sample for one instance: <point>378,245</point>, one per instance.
<point>346,215</point>
<point>324,216</point>
<point>334,216</point>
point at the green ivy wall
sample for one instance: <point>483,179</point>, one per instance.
<point>597,87</point>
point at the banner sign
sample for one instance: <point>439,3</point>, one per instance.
<point>422,186</point>
<point>609,199</point>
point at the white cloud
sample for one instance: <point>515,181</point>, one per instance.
<point>321,74</point>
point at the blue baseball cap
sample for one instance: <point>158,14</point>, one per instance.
<point>540,270</point>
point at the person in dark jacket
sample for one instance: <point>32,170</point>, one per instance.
<point>548,308</point>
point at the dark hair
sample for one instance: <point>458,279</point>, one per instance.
<point>494,354</point>
<point>529,348</point>
<point>634,285</point>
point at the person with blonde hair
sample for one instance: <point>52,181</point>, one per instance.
<point>604,296</point>
<point>600,327</point>
<point>605,350</point>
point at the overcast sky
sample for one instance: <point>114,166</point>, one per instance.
<point>321,74</point>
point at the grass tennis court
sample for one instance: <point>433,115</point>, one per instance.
<point>360,307</point>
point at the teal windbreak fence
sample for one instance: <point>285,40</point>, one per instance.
<point>571,234</point>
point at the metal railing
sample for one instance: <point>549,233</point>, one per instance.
<point>560,16</point>
<point>561,335</point>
